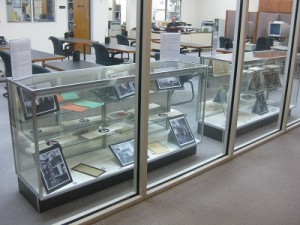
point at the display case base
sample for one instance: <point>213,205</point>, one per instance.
<point>217,133</point>
<point>46,204</point>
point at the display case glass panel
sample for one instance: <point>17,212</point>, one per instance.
<point>262,83</point>
<point>76,129</point>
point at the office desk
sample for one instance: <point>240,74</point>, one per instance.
<point>250,57</point>
<point>115,48</point>
<point>70,65</point>
<point>199,47</point>
<point>39,56</point>
<point>4,47</point>
<point>224,50</point>
<point>84,42</point>
<point>184,44</point>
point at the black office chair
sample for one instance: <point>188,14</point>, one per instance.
<point>123,40</point>
<point>263,43</point>
<point>223,40</point>
<point>5,56</point>
<point>183,80</point>
<point>60,48</point>
<point>103,57</point>
<point>37,69</point>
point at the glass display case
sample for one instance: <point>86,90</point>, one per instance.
<point>74,130</point>
<point>260,95</point>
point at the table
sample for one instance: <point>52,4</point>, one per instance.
<point>197,46</point>
<point>40,56</point>
<point>184,44</point>
<point>224,50</point>
<point>70,65</point>
<point>250,57</point>
<point>84,42</point>
<point>4,47</point>
<point>115,48</point>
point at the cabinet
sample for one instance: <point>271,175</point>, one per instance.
<point>284,6</point>
<point>70,16</point>
<point>82,139</point>
<point>260,96</point>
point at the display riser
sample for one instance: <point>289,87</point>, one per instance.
<point>217,133</point>
<point>44,205</point>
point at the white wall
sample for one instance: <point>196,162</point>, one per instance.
<point>38,32</point>
<point>99,21</point>
<point>195,11</point>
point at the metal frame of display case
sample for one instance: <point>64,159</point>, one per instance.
<point>32,135</point>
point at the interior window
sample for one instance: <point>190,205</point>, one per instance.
<point>30,10</point>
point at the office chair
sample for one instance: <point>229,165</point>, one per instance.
<point>103,57</point>
<point>5,56</point>
<point>36,69</point>
<point>60,48</point>
<point>123,40</point>
<point>223,40</point>
<point>7,66</point>
<point>183,80</point>
<point>263,43</point>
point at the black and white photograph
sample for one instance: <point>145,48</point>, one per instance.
<point>54,168</point>
<point>182,131</point>
<point>255,83</point>
<point>260,106</point>
<point>272,79</point>
<point>124,152</point>
<point>44,104</point>
<point>125,90</point>
<point>168,83</point>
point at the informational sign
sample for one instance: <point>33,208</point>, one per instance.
<point>20,52</point>
<point>169,46</point>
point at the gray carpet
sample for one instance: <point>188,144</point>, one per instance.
<point>260,187</point>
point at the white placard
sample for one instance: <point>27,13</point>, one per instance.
<point>169,46</point>
<point>20,52</point>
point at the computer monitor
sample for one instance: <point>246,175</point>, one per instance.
<point>278,29</point>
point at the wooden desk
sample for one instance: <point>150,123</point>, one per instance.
<point>84,42</point>
<point>70,65</point>
<point>39,56</point>
<point>251,57</point>
<point>224,51</point>
<point>183,44</point>
<point>115,48</point>
<point>4,47</point>
<point>199,47</point>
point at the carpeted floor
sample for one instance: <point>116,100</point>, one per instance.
<point>260,187</point>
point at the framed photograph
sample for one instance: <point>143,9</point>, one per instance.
<point>124,152</point>
<point>88,170</point>
<point>44,104</point>
<point>255,83</point>
<point>181,130</point>
<point>54,169</point>
<point>168,83</point>
<point>272,79</point>
<point>125,90</point>
<point>260,106</point>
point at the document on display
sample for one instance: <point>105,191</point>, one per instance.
<point>20,52</point>
<point>169,46</point>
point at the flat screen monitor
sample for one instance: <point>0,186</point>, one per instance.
<point>278,29</point>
